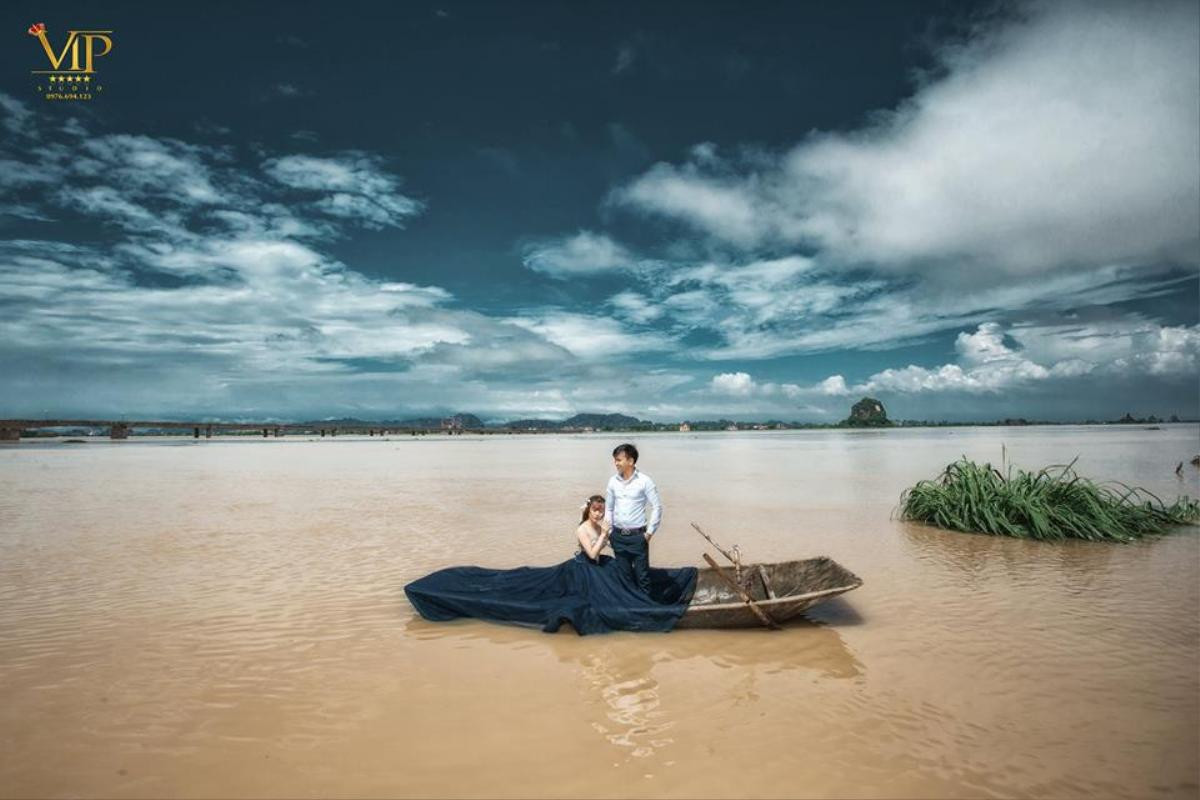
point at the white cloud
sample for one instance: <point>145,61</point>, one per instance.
<point>634,307</point>
<point>23,211</point>
<point>834,385</point>
<point>15,173</point>
<point>737,384</point>
<point>742,385</point>
<point>591,337</point>
<point>580,254</point>
<point>984,345</point>
<point>818,311</point>
<point>1118,347</point>
<point>727,208</point>
<point>1066,137</point>
<point>17,117</point>
<point>142,166</point>
<point>356,187</point>
<point>257,316</point>
<point>1047,353</point>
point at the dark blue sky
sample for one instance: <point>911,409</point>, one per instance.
<point>668,209</point>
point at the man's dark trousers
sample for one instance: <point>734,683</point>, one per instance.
<point>630,546</point>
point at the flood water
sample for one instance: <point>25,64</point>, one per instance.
<point>226,618</point>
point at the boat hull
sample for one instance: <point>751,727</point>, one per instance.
<point>782,591</point>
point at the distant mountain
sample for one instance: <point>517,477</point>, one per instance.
<point>868,413</point>
<point>533,425</point>
<point>458,420</point>
<point>472,422</point>
<point>578,421</point>
<point>469,421</point>
<point>602,421</point>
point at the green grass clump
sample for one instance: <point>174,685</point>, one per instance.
<point>1050,505</point>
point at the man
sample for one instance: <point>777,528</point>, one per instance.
<point>627,495</point>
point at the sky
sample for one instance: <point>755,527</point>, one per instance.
<point>673,210</point>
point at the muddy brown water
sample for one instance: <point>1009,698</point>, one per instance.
<point>226,619</point>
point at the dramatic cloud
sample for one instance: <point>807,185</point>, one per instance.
<point>214,291</point>
<point>1066,137</point>
<point>988,365</point>
<point>790,306</point>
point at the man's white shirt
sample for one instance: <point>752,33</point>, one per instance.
<point>626,501</point>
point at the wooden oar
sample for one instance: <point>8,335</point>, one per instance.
<point>720,549</point>
<point>735,558</point>
<point>758,612</point>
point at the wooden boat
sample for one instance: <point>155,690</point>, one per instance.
<point>781,591</point>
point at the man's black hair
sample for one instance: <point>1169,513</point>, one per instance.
<point>628,450</point>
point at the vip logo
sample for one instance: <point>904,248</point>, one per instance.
<point>89,39</point>
<point>76,71</point>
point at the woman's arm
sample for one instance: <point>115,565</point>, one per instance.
<point>584,535</point>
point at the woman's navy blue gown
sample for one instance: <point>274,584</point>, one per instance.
<point>593,597</point>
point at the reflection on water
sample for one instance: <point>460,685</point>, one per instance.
<point>627,686</point>
<point>1081,565</point>
<point>801,645</point>
<point>620,672</point>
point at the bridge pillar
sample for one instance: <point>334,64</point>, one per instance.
<point>264,433</point>
<point>208,432</point>
<point>119,430</point>
<point>333,431</point>
<point>10,434</point>
<point>196,432</point>
<point>277,433</point>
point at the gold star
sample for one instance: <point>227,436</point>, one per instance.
<point>53,78</point>
<point>87,78</point>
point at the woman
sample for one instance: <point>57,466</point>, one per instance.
<point>594,592</point>
<point>592,532</point>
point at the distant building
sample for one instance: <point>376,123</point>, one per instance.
<point>731,427</point>
<point>684,427</point>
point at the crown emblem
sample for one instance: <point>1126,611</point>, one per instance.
<point>37,29</point>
